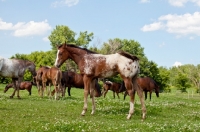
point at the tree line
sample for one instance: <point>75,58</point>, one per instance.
<point>182,77</point>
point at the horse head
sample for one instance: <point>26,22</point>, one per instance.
<point>31,67</point>
<point>62,55</point>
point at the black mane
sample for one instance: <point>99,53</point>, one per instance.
<point>127,55</point>
<point>75,46</point>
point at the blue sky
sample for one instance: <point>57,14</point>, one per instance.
<point>168,30</point>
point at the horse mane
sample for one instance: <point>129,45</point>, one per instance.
<point>75,46</point>
<point>127,55</point>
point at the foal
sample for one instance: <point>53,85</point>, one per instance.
<point>24,85</point>
<point>113,86</point>
<point>93,66</point>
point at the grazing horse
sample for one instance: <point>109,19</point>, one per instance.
<point>113,86</point>
<point>15,69</point>
<point>23,86</point>
<point>148,85</point>
<point>93,66</point>
<point>54,76</point>
<point>73,79</point>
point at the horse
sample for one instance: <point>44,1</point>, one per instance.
<point>73,79</point>
<point>52,75</point>
<point>148,85</point>
<point>93,65</point>
<point>23,86</point>
<point>113,86</point>
<point>38,80</point>
<point>15,69</point>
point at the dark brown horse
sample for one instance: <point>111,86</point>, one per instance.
<point>23,86</point>
<point>73,79</point>
<point>50,76</point>
<point>93,66</point>
<point>15,69</point>
<point>148,85</point>
<point>113,86</point>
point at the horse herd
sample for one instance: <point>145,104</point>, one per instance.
<point>92,66</point>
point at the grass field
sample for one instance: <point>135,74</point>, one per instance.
<point>171,112</point>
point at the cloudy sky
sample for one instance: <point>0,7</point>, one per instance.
<point>168,30</point>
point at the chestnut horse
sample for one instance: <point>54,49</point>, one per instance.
<point>93,66</point>
<point>113,86</point>
<point>50,76</point>
<point>148,85</point>
<point>38,80</point>
<point>23,86</point>
<point>73,79</point>
<point>15,69</point>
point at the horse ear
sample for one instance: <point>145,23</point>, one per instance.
<point>65,44</point>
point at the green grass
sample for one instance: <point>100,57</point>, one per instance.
<point>170,112</point>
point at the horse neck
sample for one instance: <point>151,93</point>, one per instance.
<point>76,54</point>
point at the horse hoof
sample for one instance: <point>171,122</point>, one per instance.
<point>18,97</point>
<point>128,117</point>
<point>11,97</point>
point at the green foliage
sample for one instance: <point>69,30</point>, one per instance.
<point>182,82</point>
<point>62,34</point>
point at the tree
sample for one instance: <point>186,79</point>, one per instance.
<point>182,82</point>
<point>62,34</point>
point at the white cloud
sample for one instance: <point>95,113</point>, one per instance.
<point>152,27</point>
<point>176,64</point>
<point>186,24</point>
<point>144,1</point>
<point>46,39</point>
<point>181,3</point>
<point>68,3</point>
<point>26,29</point>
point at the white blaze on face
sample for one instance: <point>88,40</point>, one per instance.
<point>56,62</point>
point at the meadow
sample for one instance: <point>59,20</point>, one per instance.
<point>177,112</point>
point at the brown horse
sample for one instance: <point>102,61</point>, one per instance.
<point>148,85</point>
<point>38,80</point>
<point>15,69</point>
<point>23,86</point>
<point>48,76</point>
<point>73,79</point>
<point>54,76</point>
<point>113,86</point>
<point>93,66</point>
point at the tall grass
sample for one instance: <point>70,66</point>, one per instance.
<point>170,112</point>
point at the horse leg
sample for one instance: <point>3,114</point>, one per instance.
<point>150,94</point>
<point>105,92</point>
<point>113,94</point>
<point>125,94</point>
<point>87,82</point>
<point>118,95</point>
<point>68,90</point>
<point>92,87</point>
<point>131,92</point>
<point>140,94</point>
<point>145,92</point>
<point>15,87</point>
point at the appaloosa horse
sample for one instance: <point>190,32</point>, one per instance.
<point>23,86</point>
<point>15,69</point>
<point>148,85</point>
<point>73,79</point>
<point>113,86</point>
<point>93,66</point>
